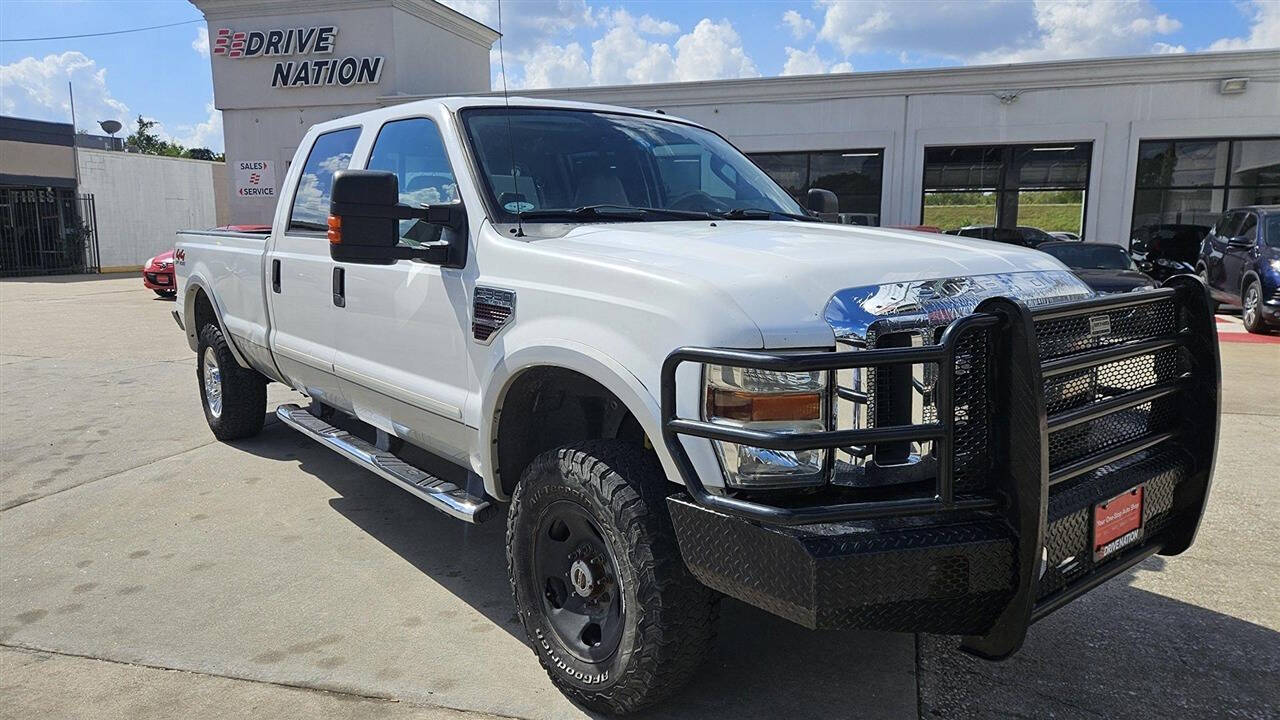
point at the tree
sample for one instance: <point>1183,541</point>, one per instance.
<point>146,141</point>
<point>200,153</point>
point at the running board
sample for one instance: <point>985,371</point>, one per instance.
<point>442,495</point>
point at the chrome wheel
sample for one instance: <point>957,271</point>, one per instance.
<point>212,376</point>
<point>1251,305</point>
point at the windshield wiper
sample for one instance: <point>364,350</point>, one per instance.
<point>615,212</point>
<point>762,214</point>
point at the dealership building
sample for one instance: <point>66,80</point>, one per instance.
<point>1105,148</point>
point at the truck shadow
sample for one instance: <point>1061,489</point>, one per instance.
<point>1120,651</point>
<point>763,666</point>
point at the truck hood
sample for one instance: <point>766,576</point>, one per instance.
<point>783,274</point>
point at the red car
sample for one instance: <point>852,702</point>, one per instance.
<point>157,274</point>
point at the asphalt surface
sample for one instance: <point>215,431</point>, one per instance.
<point>149,571</point>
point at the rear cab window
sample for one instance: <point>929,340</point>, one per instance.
<point>330,153</point>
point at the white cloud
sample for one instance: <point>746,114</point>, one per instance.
<point>622,56</point>
<point>1009,32</point>
<point>1264,28</point>
<point>809,62</point>
<point>800,25</point>
<point>201,43</point>
<point>1161,48</point>
<point>1088,28</point>
<point>206,134</point>
<point>646,24</point>
<point>556,66</point>
<point>37,88</point>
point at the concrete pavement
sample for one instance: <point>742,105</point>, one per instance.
<point>273,575</point>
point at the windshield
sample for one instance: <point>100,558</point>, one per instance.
<point>1091,256</point>
<point>568,161</point>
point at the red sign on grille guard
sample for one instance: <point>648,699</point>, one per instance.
<point>1117,523</point>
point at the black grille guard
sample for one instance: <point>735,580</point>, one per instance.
<point>1020,473</point>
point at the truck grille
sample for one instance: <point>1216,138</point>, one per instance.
<point>1109,423</point>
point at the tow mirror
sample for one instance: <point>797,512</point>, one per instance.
<point>823,202</point>
<point>364,222</point>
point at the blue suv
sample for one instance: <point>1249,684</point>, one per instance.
<point>1240,262</point>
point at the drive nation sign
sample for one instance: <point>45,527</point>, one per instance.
<point>292,42</point>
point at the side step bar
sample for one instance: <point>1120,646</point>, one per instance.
<point>442,495</point>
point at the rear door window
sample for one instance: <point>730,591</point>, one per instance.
<point>330,153</point>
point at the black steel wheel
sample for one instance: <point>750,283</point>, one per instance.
<point>610,609</point>
<point>581,598</point>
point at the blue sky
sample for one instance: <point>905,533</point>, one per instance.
<point>164,74</point>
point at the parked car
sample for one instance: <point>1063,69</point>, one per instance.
<point>1240,262</point>
<point>1065,235</point>
<point>1020,235</point>
<point>157,274</point>
<point>1104,267</point>
<point>654,368</point>
<point>1168,249</point>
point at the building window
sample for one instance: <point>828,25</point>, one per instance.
<point>1023,189</point>
<point>855,176</point>
<point>1184,186</point>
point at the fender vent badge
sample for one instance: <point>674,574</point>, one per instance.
<point>492,309</point>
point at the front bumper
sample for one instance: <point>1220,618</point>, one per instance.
<point>986,556</point>
<point>157,279</point>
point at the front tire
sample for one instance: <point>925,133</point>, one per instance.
<point>166,294</point>
<point>613,614</point>
<point>1251,309</point>
<point>234,398</point>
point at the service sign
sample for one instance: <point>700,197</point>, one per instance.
<point>302,43</point>
<point>256,179</point>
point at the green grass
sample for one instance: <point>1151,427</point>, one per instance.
<point>1045,217</point>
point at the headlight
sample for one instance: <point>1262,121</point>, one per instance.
<point>766,400</point>
<point>1275,266</point>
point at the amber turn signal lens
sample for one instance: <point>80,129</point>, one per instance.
<point>762,407</point>
<point>335,230</point>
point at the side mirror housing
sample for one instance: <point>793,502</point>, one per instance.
<point>1241,243</point>
<point>364,222</point>
<point>823,202</point>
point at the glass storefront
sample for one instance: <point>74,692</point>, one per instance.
<point>855,176</point>
<point>1186,185</point>
<point>1006,186</point>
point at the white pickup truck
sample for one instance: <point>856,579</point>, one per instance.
<point>679,385</point>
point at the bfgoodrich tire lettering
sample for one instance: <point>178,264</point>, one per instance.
<point>667,616</point>
<point>242,406</point>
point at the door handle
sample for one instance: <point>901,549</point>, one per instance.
<point>339,287</point>
<point>275,275</point>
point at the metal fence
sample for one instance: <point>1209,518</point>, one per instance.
<point>47,231</point>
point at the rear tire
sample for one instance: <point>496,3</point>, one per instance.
<point>1251,309</point>
<point>610,609</point>
<point>234,398</point>
<point>166,294</point>
<point>1203,272</point>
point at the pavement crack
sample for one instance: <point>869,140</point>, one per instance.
<point>295,686</point>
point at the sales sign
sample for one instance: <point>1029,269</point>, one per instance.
<point>256,179</point>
